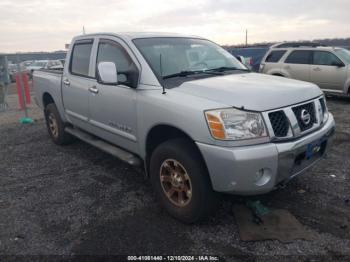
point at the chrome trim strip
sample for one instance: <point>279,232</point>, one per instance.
<point>80,117</point>
<point>292,121</point>
<point>319,113</point>
<point>269,128</point>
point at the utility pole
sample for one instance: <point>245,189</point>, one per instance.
<point>83,30</point>
<point>246,37</point>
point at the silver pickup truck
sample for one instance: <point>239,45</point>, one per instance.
<point>181,106</point>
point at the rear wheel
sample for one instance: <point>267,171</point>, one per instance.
<point>181,181</point>
<point>55,126</point>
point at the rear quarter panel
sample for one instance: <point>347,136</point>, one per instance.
<point>50,83</point>
<point>274,69</point>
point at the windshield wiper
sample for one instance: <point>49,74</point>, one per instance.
<point>182,73</point>
<point>187,73</point>
<point>227,68</point>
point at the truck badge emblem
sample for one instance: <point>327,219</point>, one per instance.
<point>305,117</point>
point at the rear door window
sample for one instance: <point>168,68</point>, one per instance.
<point>299,57</point>
<point>80,60</point>
<point>325,58</point>
<point>275,56</point>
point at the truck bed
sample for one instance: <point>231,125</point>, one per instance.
<point>54,71</point>
<point>48,82</point>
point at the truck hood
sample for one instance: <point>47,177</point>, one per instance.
<point>256,92</point>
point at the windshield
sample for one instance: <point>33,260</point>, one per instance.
<point>38,63</point>
<point>172,55</point>
<point>344,54</point>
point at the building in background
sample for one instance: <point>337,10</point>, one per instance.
<point>31,56</point>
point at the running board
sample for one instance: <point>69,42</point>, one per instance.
<point>105,146</point>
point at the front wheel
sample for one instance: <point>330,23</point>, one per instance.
<point>181,181</point>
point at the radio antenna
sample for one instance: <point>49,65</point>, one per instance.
<point>161,72</point>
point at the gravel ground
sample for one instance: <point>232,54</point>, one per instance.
<point>78,200</point>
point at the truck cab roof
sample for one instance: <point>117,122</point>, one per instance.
<point>135,35</point>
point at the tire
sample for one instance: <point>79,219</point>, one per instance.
<point>55,126</point>
<point>174,157</point>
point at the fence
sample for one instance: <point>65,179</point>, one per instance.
<point>3,93</point>
<point>4,80</point>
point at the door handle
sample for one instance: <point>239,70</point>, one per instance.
<point>66,82</point>
<point>93,89</point>
<point>287,67</point>
<point>317,69</point>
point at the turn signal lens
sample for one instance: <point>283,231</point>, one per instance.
<point>216,127</point>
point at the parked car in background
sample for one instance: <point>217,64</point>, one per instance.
<point>247,61</point>
<point>187,111</point>
<point>255,54</point>
<point>27,63</point>
<point>44,64</point>
<point>13,69</point>
<point>327,67</point>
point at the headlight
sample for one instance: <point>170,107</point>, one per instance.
<point>234,124</point>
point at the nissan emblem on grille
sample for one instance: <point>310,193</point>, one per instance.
<point>305,116</point>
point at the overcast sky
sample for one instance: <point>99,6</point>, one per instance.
<point>46,25</point>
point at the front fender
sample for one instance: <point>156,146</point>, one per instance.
<point>183,112</point>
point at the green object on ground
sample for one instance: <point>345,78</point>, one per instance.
<point>278,224</point>
<point>257,208</point>
<point>26,120</point>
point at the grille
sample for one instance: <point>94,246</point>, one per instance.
<point>310,108</point>
<point>280,123</point>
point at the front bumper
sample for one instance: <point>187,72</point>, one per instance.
<point>258,169</point>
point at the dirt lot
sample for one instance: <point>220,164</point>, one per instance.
<point>79,200</point>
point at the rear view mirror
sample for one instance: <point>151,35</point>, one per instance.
<point>107,72</point>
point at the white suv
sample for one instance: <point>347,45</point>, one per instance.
<point>328,67</point>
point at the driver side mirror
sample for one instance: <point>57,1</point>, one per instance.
<point>107,73</point>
